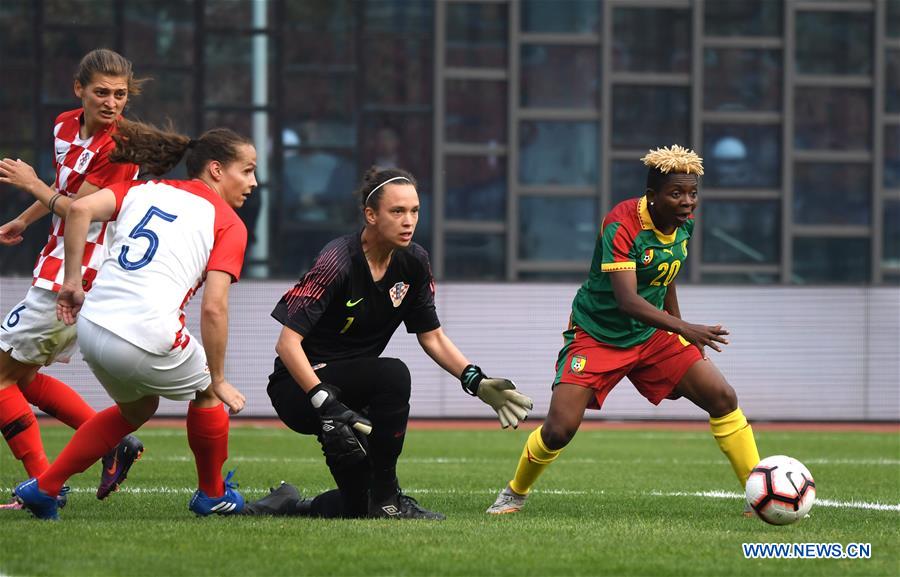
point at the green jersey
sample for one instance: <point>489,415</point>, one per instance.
<point>628,241</point>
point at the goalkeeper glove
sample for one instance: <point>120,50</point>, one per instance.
<point>343,430</point>
<point>510,405</point>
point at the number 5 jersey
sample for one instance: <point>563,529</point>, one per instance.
<point>169,233</point>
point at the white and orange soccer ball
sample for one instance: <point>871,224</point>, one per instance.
<point>781,490</point>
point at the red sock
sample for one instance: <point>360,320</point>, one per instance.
<point>90,442</point>
<point>20,429</point>
<point>58,400</point>
<point>207,431</point>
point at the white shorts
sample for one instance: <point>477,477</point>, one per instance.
<point>128,372</point>
<point>31,334</point>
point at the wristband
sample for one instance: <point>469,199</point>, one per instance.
<point>470,379</point>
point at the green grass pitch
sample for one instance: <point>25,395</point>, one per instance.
<point>617,502</point>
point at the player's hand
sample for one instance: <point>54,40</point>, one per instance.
<point>18,173</point>
<point>11,232</point>
<point>705,336</point>
<point>230,395</point>
<point>343,430</point>
<point>68,303</point>
<point>510,405</point>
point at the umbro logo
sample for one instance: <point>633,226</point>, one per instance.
<point>327,427</point>
<point>391,510</point>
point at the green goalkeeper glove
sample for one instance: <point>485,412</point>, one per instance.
<point>510,405</point>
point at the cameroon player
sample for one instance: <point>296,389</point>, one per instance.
<point>626,322</point>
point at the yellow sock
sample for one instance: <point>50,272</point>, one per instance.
<point>735,438</point>
<point>535,458</point>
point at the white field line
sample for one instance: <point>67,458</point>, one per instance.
<point>577,460</point>
<point>819,502</point>
<point>565,492</point>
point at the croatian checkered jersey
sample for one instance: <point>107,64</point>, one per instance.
<point>77,160</point>
<point>168,235</point>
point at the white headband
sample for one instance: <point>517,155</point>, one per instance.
<point>382,184</point>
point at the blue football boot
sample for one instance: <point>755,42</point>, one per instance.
<point>231,503</point>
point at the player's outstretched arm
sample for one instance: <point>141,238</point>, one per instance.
<point>510,405</point>
<point>624,285</point>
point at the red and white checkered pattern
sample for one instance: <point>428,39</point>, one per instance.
<point>78,160</point>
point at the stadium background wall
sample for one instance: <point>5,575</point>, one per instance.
<point>796,353</point>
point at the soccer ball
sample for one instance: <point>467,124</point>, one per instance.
<point>780,490</point>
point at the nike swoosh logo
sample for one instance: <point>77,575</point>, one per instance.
<point>112,468</point>
<point>351,303</point>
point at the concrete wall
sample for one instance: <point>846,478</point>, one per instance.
<point>796,352</point>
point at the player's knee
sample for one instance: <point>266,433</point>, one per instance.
<point>557,435</point>
<point>394,374</point>
<point>723,402</point>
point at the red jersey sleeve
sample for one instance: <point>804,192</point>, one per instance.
<point>230,242</point>
<point>618,243</point>
<point>120,189</point>
<point>104,173</point>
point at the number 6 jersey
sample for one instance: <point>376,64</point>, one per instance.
<point>169,233</point>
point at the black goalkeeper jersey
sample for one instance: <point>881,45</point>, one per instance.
<point>342,313</point>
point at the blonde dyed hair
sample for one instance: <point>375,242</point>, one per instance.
<point>674,159</point>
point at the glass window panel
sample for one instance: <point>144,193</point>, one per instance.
<point>63,51</point>
<point>477,35</point>
<point>738,278</point>
<point>651,40</point>
<point>832,118</point>
<point>317,186</point>
<point>741,231</point>
<point>399,140</point>
<point>831,260</point>
<point>328,104</point>
<point>554,228</point>
<point>740,79</point>
<point>552,152</point>
<point>18,96</point>
<point>16,21</point>
<point>742,156</point>
<point>743,17</point>
<point>234,13</point>
<point>892,156</point>
<point>228,57</point>
<point>832,193</point>
<point>560,76</point>
<point>892,81</point>
<point>629,180</point>
<point>473,256</point>
<point>66,12</point>
<point>890,253</point>
<point>238,121</point>
<point>159,33</point>
<point>476,111</point>
<point>405,16</point>
<point>893,18</point>
<point>649,116</point>
<point>834,42</point>
<point>476,187</point>
<point>553,16</point>
<point>169,95</point>
<point>399,68</point>
<point>319,33</point>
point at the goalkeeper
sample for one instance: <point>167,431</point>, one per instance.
<point>329,379</point>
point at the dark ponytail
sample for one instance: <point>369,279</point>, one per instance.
<point>159,151</point>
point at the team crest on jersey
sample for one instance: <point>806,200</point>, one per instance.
<point>578,364</point>
<point>397,292</point>
<point>648,256</point>
<point>83,161</point>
